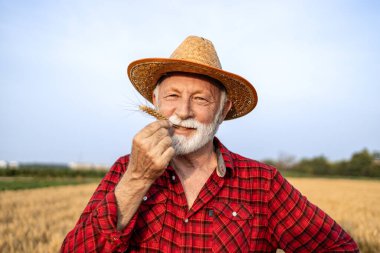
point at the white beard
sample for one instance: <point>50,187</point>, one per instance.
<point>204,133</point>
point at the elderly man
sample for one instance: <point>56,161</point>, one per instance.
<point>181,190</point>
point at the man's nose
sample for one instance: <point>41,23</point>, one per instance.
<point>184,110</point>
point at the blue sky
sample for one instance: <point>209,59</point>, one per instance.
<point>64,94</point>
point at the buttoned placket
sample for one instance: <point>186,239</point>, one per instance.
<point>208,192</point>
<point>175,187</point>
<point>216,176</point>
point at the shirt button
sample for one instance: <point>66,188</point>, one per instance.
<point>173,178</point>
<point>114,238</point>
<point>234,214</point>
<point>186,220</point>
<point>145,198</point>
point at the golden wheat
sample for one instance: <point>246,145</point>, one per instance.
<point>152,112</point>
<point>354,204</point>
<point>37,220</point>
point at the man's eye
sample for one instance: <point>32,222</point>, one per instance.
<point>200,99</point>
<point>172,96</point>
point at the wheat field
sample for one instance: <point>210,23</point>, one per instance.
<point>37,220</point>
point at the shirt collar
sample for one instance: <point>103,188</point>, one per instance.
<point>221,168</point>
<point>224,157</point>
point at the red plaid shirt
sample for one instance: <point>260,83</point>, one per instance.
<point>252,208</point>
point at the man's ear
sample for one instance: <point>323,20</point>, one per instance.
<point>154,99</point>
<point>226,108</point>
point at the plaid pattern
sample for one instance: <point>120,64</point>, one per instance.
<point>252,208</point>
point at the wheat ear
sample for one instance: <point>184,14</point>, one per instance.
<point>152,112</point>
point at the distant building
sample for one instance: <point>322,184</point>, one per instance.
<point>3,164</point>
<point>86,166</point>
<point>13,164</point>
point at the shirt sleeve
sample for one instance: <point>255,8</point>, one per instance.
<point>96,231</point>
<point>299,226</point>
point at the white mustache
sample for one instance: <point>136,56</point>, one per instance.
<point>188,123</point>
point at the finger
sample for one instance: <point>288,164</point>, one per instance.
<point>167,156</point>
<point>162,161</point>
<point>160,134</point>
<point>145,144</point>
<point>153,140</point>
<point>153,127</point>
<point>161,146</point>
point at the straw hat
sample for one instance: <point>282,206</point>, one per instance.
<point>194,55</point>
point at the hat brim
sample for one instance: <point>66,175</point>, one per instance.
<point>145,73</point>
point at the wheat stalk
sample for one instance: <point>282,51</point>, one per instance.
<point>152,112</point>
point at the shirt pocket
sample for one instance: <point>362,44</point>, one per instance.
<point>232,226</point>
<point>150,219</point>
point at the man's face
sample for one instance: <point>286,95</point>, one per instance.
<point>194,104</point>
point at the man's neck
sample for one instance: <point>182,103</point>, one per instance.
<point>201,161</point>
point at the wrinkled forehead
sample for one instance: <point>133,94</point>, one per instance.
<point>210,80</point>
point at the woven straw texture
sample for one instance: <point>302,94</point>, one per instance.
<point>194,55</point>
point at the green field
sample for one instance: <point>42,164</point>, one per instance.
<point>20,183</point>
<point>37,176</point>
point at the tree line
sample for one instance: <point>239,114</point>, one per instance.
<point>50,170</point>
<point>361,164</point>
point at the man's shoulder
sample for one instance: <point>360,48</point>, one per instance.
<point>123,159</point>
<point>252,174</point>
<point>120,165</point>
<point>244,164</point>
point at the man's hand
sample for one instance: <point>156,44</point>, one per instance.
<point>151,152</point>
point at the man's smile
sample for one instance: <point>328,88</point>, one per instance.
<point>183,130</point>
<point>182,127</point>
